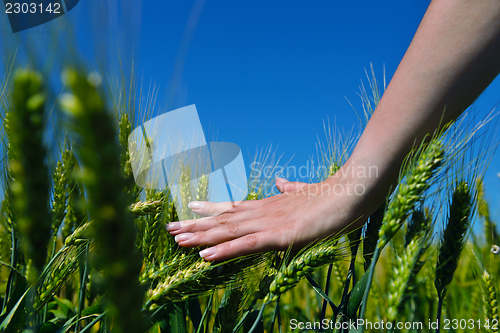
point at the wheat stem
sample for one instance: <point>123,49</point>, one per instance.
<point>303,264</point>
<point>30,185</point>
<point>409,191</point>
<point>112,229</point>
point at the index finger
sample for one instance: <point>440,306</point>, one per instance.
<point>206,208</point>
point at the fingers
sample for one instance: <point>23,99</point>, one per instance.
<point>205,208</point>
<point>249,244</point>
<point>206,223</point>
<point>284,185</point>
<point>223,233</point>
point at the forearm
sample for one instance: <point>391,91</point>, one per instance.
<point>451,60</point>
<point>453,57</point>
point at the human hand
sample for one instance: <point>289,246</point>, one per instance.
<point>302,214</point>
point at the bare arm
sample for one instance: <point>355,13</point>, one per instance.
<point>453,57</point>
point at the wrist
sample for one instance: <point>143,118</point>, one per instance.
<point>364,184</point>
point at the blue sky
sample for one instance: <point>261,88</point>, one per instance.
<point>259,72</point>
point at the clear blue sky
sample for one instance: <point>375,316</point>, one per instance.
<point>259,72</point>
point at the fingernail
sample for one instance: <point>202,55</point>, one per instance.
<point>172,226</point>
<point>183,237</point>
<point>282,180</point>
<point>208,252</point>
<point>196,204</point>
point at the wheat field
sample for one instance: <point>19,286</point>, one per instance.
<point>83,249</point>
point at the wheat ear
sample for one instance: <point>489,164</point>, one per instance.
<point>490,303</point>
<point>197,278</point>
<point>30,185</point>
<point>303,264</point>
<point>113,229</point>
<point>452,241</point>
<point>408,265</point>
<point>407,194</point>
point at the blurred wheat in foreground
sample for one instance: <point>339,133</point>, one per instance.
<point>83,249</point>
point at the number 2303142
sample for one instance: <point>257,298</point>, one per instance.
<point>32,8</point>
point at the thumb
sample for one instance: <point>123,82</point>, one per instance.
<point>284,185</point>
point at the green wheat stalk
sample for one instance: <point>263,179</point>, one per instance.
<point>408,265</point>
<point>147,207</point>
<point>196,278</point>
<point>153,225</point>
<point>30,184</point>
<point>112,229</point>
<point>406,195</point>
<point>371,234</point>
<point>303,264</point>
<point>57,273</point>
<point>453,240</point>
<point>228,312</point>
<point>490,303</point>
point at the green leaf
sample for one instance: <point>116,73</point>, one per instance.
<point>94,309</point>
<point>19,283</point>
<point>356,296</point>
<point>258,324</point>
<point>93,322</point>
<point>175,318</point>
<point>68,323</point>
<point>8,325</point>
<point>275,314</point>
<point>49,327</point>
<point>65,306</point>
<point>225,307</point>
<point>207,310</point>
<point>59,314</point>
<point>318,289</point>
<point>194,310</point>
<point>73,320</point>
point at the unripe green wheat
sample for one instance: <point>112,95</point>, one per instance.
<point>186,194</point>
<point>288,276</point>
<point>227,314</point>
<point>124,130</point>
<point>405,271</point>
<point>30,187</point>
<point>153,274</point>
<point>410,191</point>
<point>177,284</point>
<point>253,195</point>
<point>453,239</point>
<point>57,274</point>
<point>407,194</point>
<point>197,278</point>
<point>80,235</point>
<point>112,229</point>
<point>153,225</point>
<point>6,225</point>
<point>408,265</point>
<point>483,210</point>
<point>59,202</point>
<point>202,189</point>
<point>332,169</point>
<point>74,215</point>
<point>490,303</point>
<point>339,272</point>
<point>141,208</point>
<point>71,218</point>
